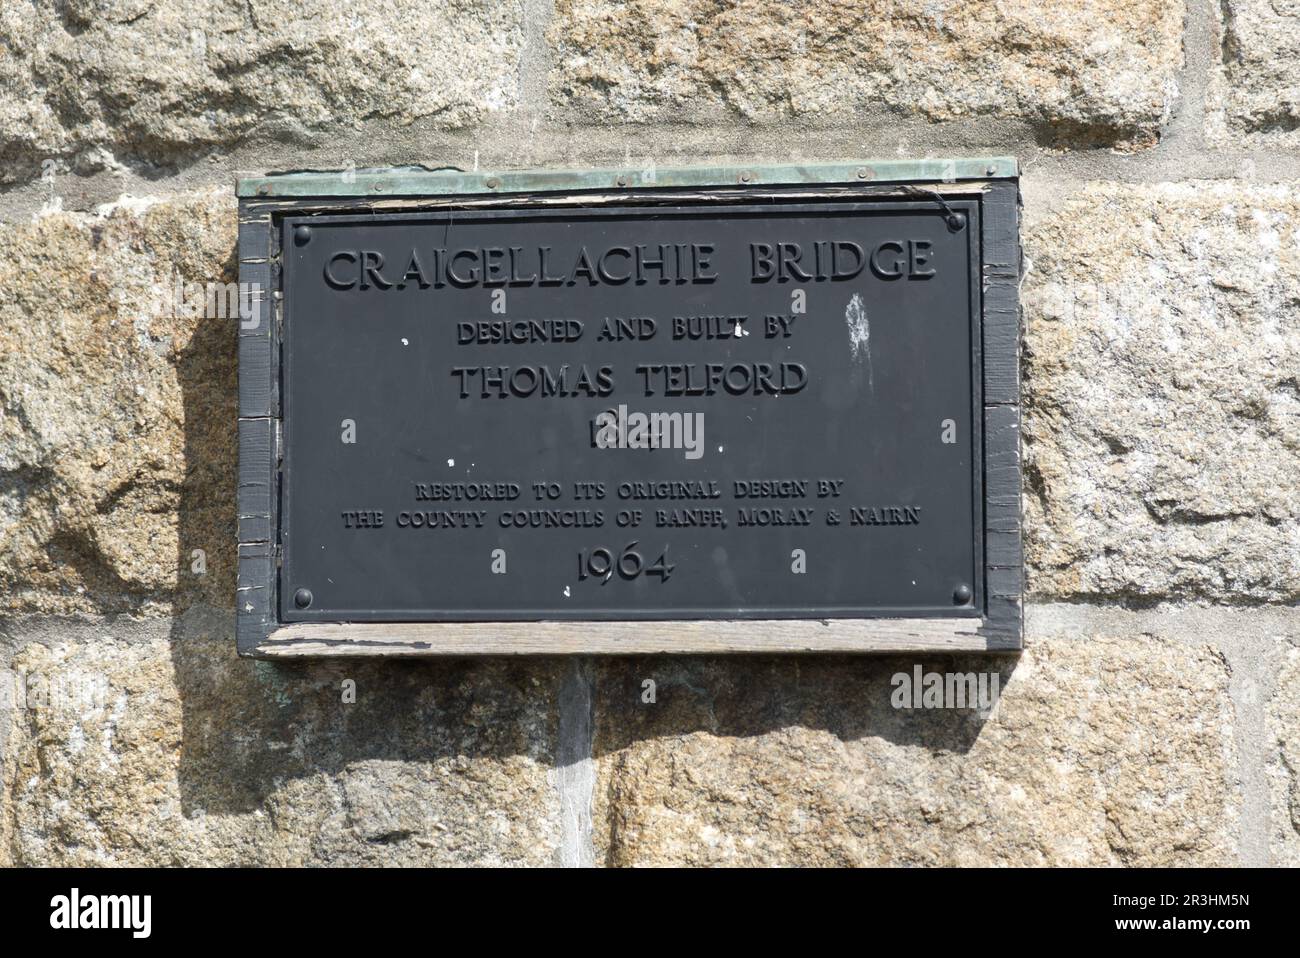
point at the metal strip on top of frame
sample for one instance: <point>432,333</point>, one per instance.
<point>418,181</point>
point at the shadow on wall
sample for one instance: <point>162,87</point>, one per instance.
<point>851,697</point>
<point>249,727</point>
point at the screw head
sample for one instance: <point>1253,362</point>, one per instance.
<point>864,173</point>
<point>746,176</point>
<point>264,189</point>
<point>962,594</point>
<point>956,222</point>
<point>302,235</point>
<point>302,598</point>
<point>493,182</point>
<point>622,180</point>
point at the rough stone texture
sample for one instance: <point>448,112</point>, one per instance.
<point>1076,72</point>
<point>1284,769</point>
<point>187,755</point>
<point>1255,84</point>
<point>1115,751</point>
<point>1162,405</point>
<point>152,83</point>
<point>117,440</point>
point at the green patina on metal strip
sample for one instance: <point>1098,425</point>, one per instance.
<point>408,181</point>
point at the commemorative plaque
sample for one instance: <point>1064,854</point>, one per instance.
<point>699,411</point>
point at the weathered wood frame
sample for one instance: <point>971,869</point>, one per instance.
<point>263,201</point>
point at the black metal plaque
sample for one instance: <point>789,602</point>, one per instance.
<point>637,412</point>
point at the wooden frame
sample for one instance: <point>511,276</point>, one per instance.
<point>264,201</point>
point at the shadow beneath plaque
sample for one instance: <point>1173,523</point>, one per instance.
<point>851,697</point>
<point>250,728</point>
